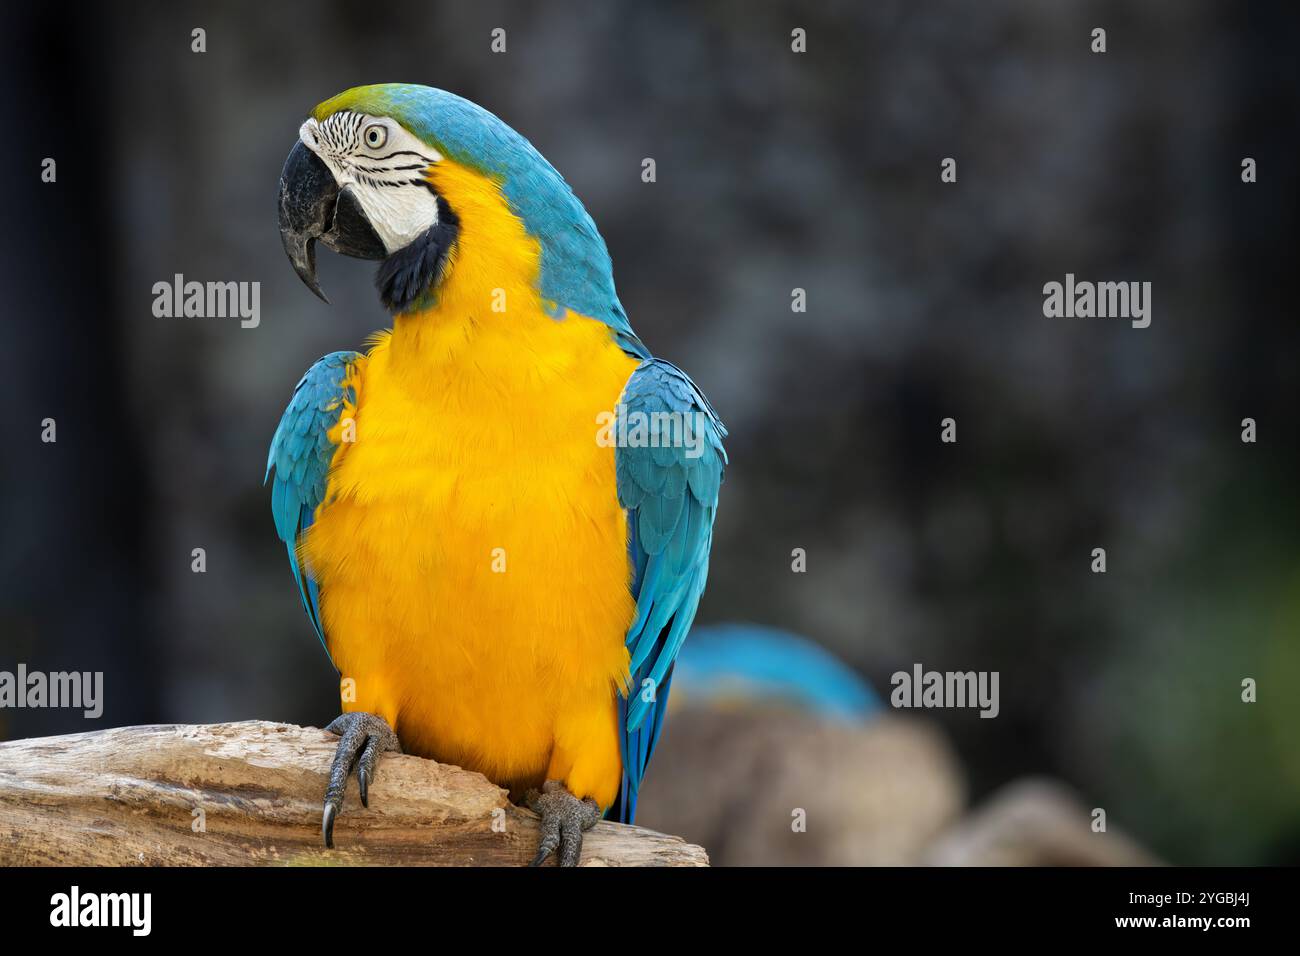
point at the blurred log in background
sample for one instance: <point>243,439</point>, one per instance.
<point>886,792</point>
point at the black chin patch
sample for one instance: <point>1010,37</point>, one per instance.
<point>412,271</point>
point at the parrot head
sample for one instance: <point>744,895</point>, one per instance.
<point>413,177</point>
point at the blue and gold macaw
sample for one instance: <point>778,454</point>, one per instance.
<point>499,517</point>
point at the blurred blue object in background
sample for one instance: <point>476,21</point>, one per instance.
<point>748,662</point>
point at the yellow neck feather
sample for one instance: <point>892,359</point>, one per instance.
<point>490,277</point>
<point>487,322</point>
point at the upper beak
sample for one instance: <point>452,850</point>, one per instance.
<point>308,194</point>
<point>313,207</point>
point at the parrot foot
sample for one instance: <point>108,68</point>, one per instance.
<point>363,738</point>
<point>564,819</point>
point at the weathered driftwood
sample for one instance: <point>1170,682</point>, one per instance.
<point>250,793</point>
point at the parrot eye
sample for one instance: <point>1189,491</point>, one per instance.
<point>376,136</point>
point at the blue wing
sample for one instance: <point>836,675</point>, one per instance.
<point>668,479</point>
<point>301,452</point>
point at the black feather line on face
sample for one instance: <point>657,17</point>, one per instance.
<point>406,275</point>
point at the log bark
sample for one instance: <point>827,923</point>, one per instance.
<point>250,794</point>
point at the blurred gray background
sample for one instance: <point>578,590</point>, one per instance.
<point>775,171</point>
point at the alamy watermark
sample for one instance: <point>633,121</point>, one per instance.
<point>1102,300</point>
<point>922,688</point>
<point>622,428</point>
<point>208,300</point>
<point>76,689</point>
<point>133,911</point>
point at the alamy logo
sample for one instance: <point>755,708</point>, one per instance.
<point>1102,300</point>
<point>922,688</point>
<point>208,300</point>
<point>103,909</point>
<point>59,689</point>
<point>624,429</point>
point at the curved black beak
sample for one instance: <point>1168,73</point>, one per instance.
<point>313,207</point>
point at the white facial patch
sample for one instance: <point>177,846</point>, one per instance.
<point>384,167</point>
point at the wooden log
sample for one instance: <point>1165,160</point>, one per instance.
<point>250,793</point>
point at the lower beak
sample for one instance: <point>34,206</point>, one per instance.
<point>313,207</point>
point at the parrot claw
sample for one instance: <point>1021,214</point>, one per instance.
<point>564,819</point>
<point>363,737</point>
<point>327,825</point>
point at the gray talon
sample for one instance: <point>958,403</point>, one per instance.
<point>375,745</point>
<point>564,819</point>
<point>363,737</point>
<point>327,825</point>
